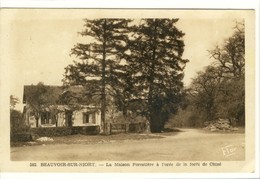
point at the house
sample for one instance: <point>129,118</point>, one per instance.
<point>58,106</point>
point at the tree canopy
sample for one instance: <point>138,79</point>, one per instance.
<point>98,60</point>
<point>156,68</point>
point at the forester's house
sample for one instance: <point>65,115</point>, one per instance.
<point>55,114</point>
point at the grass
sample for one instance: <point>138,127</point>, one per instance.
<point>89,139</point>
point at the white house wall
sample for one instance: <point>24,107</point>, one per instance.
<point>61,119</point>
<point>78,118</point>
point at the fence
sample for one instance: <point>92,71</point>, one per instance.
<point>126,127</point>
<point>118,128</point>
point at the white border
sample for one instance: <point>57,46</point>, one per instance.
<point>174,4</point>
<point>187,4</point>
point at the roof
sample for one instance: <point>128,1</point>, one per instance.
<point>51,94</point>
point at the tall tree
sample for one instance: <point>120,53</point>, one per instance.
<point>230,58</point>
<point>156,67</point>
<point>98,59</point>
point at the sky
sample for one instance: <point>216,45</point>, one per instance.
<point>40,41</point>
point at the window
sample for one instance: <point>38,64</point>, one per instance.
<point>85,118</point>
<point>46,118</point>
<point>89,117</point>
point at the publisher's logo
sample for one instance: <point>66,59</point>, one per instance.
<point>229,150</point>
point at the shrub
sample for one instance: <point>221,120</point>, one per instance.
<point>64,131</point>
<point>51,131</point>
<point>85,130</point>
<point>28,134</point>
<point>90,130</point>
<point>21,137</point>
<point>137,127</point>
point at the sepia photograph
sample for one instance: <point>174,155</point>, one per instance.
<point>130,88</point>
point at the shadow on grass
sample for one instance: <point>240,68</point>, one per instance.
<point>171,130</point>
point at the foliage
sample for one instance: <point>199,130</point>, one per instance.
<point>187,117</point>
<point>51,131</point>
<point>219,91</point>
<point>205,88</point>
<point>137,68</point>
<point>21,137</point>
<point>98,62</point>
<point>36,98</point>
<point>156,69</point>
<point>16,121</point>
<point>231,56</point>
<point>17,124</point>
<point>64,131</point>
<point>13,101</point>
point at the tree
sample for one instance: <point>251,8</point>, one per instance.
<point>231,100</point>
<point>204,91</point>
<point>219,91</point>
<point>36,98</point>
<point>156,68</point>
<point>16,121</point>
<point>98,61</point>
<point>231,57</point>
<point>13,101</point>
<point>231,60</point>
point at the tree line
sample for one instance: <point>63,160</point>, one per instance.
<point>219,90</point>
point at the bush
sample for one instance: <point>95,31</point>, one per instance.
<point>64,131</point>
<point>90,130</point>
<point>21,137</point>
<point>85,130</point>
<point>51,131</point>
<point>137,127</point>
<point>20,129</point>
<point>186,118</point>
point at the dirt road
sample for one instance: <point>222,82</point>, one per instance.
<point>188,145</point>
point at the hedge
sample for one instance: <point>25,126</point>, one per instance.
<point>137,127</point>
<point>64,131</point>
<point>21,137</point>
<point>51,131</point>
<point>32,133</point>
<point>85,130</point>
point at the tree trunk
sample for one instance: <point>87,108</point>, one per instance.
<point>103,84</point>
<point>37,122</point>
<point>37,119</point>
<point>156,122</point>
<point>152,120</point>
<point>68,115</point>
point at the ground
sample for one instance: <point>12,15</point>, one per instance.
<point>183,145</point>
